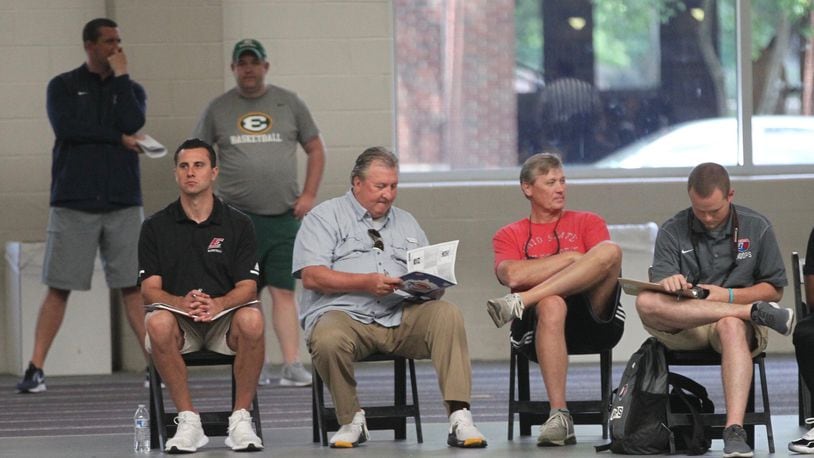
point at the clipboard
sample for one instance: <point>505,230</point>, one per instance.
<point>634,287</point>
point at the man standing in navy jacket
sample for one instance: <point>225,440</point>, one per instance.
<point>95,111</point>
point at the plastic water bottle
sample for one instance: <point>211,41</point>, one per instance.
<point>141,431</point>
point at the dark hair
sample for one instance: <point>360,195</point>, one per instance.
<point>192,143</point>
<point>91,30</point>
<point>368,156</point>
<point>540,164</point>
<point>707,177</point>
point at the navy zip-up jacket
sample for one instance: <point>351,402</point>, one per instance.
<point>91,168</point>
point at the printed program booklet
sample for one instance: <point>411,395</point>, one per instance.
<point>173,309</point>
<point>429,269</point>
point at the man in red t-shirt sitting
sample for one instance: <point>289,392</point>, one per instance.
<point>562,270</point>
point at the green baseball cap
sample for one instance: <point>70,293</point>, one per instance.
<point>248,45</point>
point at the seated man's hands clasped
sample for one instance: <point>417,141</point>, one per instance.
<point>201,306</point>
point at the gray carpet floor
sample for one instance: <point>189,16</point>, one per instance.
<point>82,405</point>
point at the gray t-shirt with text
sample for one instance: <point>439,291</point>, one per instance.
<point>257,147</point>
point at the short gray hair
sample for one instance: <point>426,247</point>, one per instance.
<point>539,164</point>
<point>368,156</point>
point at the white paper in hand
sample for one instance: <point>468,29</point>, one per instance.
<point>151,148</point>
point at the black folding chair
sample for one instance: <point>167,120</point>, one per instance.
<point>214,423</point>
<point>377,417</point>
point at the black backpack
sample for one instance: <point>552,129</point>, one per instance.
<point>638,410</point>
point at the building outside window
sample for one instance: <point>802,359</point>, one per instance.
<point>482,84</point>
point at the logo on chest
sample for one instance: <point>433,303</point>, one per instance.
<point>744,249</point>
<point>216,245</point>
<point>255,123</point>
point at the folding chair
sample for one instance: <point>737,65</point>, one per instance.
<point>805,402</point>
<point>718,420</point>
<point>377,417</point>
<point>214,423</point>
<point>591,412</point>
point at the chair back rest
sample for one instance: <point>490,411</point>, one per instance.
<point>799,306</point>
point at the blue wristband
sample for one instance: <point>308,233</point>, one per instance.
<point>731,296</point>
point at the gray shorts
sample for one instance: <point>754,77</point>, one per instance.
<point>199,335</point>
<point>73,239</point>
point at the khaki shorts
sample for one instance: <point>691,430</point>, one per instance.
<point>198,335</point>
<point>706,337</point>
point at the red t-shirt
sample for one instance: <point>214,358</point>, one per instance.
<point>577,231</point>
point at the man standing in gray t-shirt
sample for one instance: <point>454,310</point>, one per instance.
<point>256,128</point>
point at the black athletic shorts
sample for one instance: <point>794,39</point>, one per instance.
<point>584,332</point>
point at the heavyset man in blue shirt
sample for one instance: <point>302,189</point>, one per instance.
<point>731,251</point>
<point>350,252</point>
<point>95,111</point>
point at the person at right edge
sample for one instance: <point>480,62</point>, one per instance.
<point>732,252</point>
<point>803,343</point>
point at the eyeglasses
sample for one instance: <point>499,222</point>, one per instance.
<point>378,243</point>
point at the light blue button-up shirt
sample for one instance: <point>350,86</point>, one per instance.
<point>335,234</point>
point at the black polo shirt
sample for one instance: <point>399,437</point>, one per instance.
<point>213,255</point>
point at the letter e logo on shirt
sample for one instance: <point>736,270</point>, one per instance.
<point>215,246</point>
<point>255,123</point>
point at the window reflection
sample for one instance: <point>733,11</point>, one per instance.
<point>612,83</point>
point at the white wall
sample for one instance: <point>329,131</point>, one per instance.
<point>338,56</point>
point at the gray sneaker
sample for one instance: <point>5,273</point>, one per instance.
<point>505,309</point>
<point>557,430</point>
<point>295,375</point>
<point>773,316</point>
<point>265,376</point>
<point>735,442</point>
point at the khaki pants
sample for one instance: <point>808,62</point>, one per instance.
<point>434,329</point>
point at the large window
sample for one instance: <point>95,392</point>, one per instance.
<point>482,84</point>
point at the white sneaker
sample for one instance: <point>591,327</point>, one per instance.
<point>804,444</point>
<point>189,435</point>
<point>352,434</point>
<point>462,431</point>
<point>241,433</point>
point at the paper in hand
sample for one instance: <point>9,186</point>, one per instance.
<point>151,148</point>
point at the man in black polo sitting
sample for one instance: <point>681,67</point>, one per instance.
<point>197,256</point>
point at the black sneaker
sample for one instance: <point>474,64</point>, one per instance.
<point>33,381</point>
<point>735,442</point>
<point>771,315</point>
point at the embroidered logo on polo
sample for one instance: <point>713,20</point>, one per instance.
<point>216,245</point>
<point>256,126</point>
<point>744,249</point>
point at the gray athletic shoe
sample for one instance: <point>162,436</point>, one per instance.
<point>773,316</point>
<point>265,376</point>
<point>505,309</point>
<point>295,375</point>
<point>735,442</point>
<point>557,430</point>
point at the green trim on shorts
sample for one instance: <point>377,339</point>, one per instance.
<point>275,248</point>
